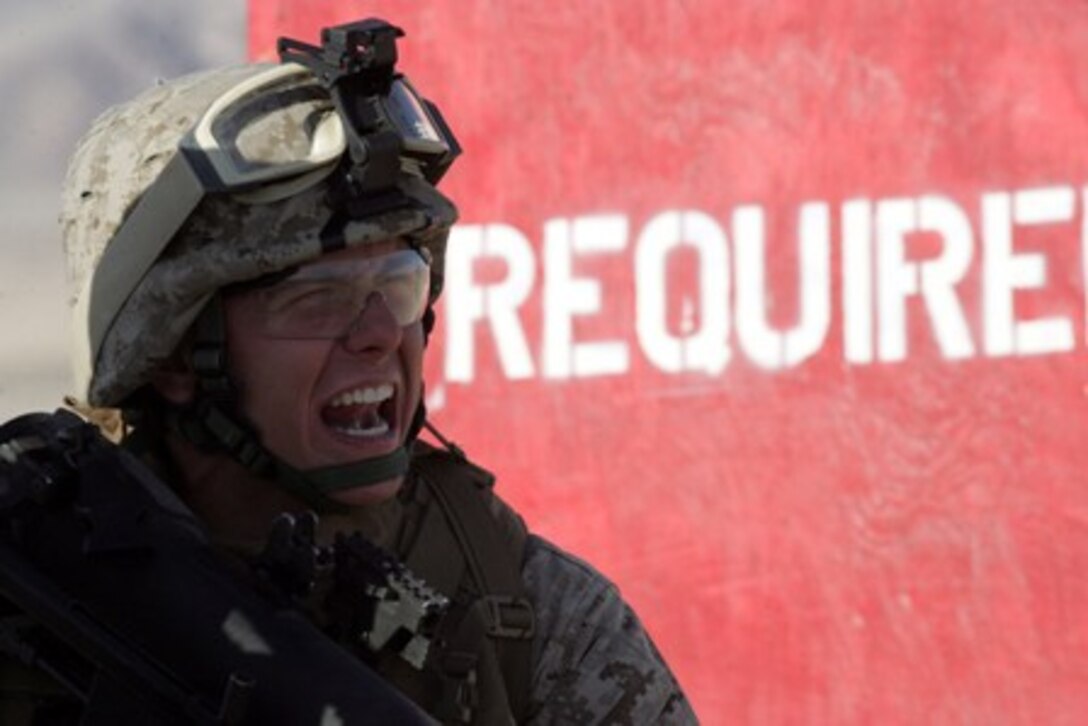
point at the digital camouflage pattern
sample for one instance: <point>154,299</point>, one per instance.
<point>593,662</point>
<point>228,238</point>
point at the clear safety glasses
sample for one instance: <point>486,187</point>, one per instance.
<point>327,299</point>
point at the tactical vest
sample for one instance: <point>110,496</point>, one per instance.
<point>465,542</point>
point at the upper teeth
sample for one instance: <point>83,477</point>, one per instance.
<point>366,394</point>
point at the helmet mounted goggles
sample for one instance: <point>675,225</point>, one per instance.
<point>276,134</point>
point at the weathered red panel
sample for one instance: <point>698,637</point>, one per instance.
<point>878,519</point>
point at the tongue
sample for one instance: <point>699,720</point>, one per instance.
<point>363,415</point>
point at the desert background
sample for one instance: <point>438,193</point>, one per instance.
<point>61,64</point>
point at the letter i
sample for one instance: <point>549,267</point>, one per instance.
<point>857,280</point>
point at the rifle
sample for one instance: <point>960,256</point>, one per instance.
<point>114,590</point>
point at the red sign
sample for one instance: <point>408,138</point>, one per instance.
<point>776,313</point>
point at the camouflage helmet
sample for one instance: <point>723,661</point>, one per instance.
<point>132,306</point>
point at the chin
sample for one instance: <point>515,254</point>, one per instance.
<point>373,494</point>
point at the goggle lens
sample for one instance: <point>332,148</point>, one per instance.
<point>407,112</point>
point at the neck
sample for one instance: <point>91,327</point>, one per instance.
<point>238,507</point>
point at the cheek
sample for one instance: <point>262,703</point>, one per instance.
<point>273,377</point>
<point>413,345</point>
<point>412,357</point>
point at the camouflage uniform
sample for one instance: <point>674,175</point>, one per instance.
<point>592,660</point>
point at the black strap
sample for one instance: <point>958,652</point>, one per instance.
<point>493,548</point>
<point>434,537</point>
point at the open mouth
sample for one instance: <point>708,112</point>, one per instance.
<point>366,412</point>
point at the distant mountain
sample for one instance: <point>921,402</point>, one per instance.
<point>62,63</point>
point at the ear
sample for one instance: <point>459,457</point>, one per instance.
<point>175,385</point>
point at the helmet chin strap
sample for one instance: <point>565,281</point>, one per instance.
<point>212,422</point>
<point>207,425</point>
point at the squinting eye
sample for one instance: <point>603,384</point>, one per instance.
<point>307,297</point>
<point>317,299</point>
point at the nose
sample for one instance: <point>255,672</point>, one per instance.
<point>375,332</point>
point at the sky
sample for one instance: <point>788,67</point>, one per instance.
<point>61,64</point>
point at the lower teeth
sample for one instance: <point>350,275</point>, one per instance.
<point>358,431</point>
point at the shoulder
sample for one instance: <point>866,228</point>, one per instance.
<point>465,491</point>
<point>593,660</point>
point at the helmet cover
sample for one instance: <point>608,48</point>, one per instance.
<point>229,237</point>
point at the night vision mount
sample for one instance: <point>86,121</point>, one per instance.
<point>363,52</point>
<point>388,125</point>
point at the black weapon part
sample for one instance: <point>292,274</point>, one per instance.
<point>291,561</point>
<point>365,51</point>
<point>115,590</point>
<point>377,603</point>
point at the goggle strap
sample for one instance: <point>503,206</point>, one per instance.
<point>159,214</point>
